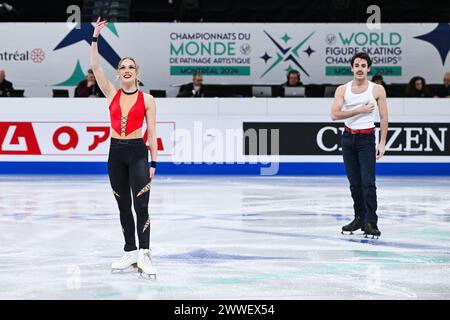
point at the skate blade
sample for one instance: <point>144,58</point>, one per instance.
<point>353,233</point>
<point>146,276</point>
<point>130,269</point>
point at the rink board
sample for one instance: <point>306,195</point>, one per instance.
<point>255,136</point>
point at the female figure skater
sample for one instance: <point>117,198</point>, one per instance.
<point>128,157</point>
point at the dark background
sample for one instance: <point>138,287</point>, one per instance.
<point>228,10</point>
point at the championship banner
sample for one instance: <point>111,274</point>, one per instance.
<point>56,55</point>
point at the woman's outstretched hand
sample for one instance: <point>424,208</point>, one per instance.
<point>99,25</point>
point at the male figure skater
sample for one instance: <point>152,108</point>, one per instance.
<point>356,103</point>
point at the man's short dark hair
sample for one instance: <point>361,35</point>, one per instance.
<point>197,73</point>
<point>362,55</point>
<point>377,77</point>
<point>293,71</point>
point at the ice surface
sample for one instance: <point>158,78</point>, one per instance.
<point>227,237</point>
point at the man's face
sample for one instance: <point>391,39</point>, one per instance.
<point>90,77</point>
<point>293,79</point>
<point>418,84</point>
<point>2,75</point>
<point>360,69</point>
<point>198,81</point>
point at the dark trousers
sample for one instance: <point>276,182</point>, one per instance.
<point>128,171</point>
<point>359,155</point>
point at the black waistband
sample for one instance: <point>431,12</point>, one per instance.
<point>127,141</point>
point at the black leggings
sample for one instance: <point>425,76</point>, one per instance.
<point>128,167</point>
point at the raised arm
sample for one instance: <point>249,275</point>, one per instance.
<point>336,109</point>
<point>105,85</point>
<point>150,117</point>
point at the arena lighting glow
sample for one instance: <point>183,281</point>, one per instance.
<point>5,7</point>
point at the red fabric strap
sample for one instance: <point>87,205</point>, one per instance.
<point>360,131</point>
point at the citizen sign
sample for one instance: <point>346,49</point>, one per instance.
<point>313,138</point>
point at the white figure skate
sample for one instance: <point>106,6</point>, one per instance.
<point>145,266</point>
<point>127,263</point>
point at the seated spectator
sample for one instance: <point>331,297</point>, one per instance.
<point>444,90</point>
<point>88,88</point>
<point>378,79</point>
<point>417,88</point>
<point>293,80</point>
<point>6,87</point>
<point>194,89</point>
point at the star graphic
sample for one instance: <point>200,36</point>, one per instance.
<point>266,57</point>
<point>292,58</point>
<point>85,34</point>
<point>309,51</point>
<point>290,54</point>
<point>285,38</point>
<point>439,38</point>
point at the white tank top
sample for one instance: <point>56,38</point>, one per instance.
<point>352,101</point>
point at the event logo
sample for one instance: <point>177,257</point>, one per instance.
<point>84,33</point>
<point>440,39</point>
<point>37,55</point>
<point>245,49</point>
<point>288,54</point>
<point>383,47</point>
<point>211,53</point>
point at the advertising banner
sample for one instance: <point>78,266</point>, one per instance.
<point>55,55</point>
<point>219,135</point>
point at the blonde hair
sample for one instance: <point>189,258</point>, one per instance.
<point>135,64</point>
